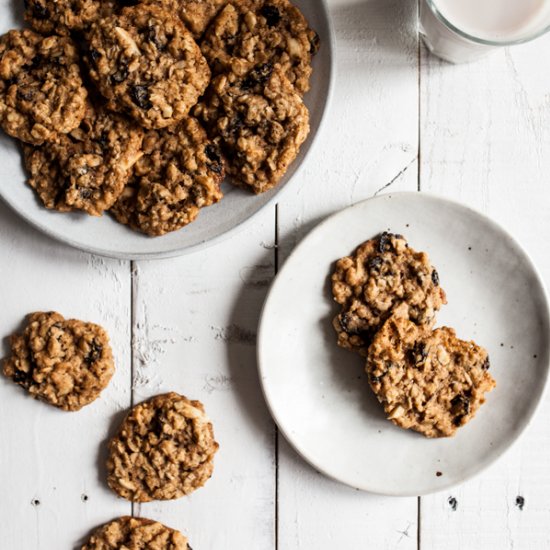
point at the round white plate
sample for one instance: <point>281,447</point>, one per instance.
<point>106,237</point>
<point>317,392</point>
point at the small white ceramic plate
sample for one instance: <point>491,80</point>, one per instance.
<point>106,237</point>
<point>317,392</point>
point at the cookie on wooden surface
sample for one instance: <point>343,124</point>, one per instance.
<point>129,533</point>
<point>66,363</point>
<point>164,450</point>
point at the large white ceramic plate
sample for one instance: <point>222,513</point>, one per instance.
<point>106,237</point>
<point>318,394</point>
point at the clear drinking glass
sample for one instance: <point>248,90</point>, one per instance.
<point>452,41</point>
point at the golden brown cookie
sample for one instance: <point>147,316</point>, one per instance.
<point>63,16</point>
<point>64,362</point>
<point>164,450</point>
<point>260,122</point>
<point>128,533</point>
<point>41,90</point>
<point>427,381</point>
<point>87,168</point>
<point>253,32</point>
<point>148,64</point>
<point>195,14</point>
<point>179,173</point>
<point>381,274</point>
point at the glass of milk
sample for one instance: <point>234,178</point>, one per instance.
<point>463,30</point>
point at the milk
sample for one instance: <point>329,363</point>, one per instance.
<point>494,21</point>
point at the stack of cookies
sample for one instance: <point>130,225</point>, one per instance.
<point>141,108</point>
<point>427,380</point>
<point>163,450</point>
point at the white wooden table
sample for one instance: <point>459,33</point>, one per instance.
<point>400,119</point>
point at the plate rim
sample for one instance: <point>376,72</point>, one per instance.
<point>242,225</point>
<point>303,243</point>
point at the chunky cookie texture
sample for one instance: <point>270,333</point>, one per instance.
<point>381,274</point>
<point>179,173</point>
<point>195,14</point>
<point>66,363</point>
<point>148,64</point>
<point>163,450</point>
<point>128,533</point>
<point>41,90</point>
<point>427,381</point>
<point>260,122</point>
<point>63,16</point>
<point>87,168</point>
<point>251,32</point>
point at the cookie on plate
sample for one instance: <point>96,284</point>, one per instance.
<point>63,16</point>
<point>148,64</point>
<point>179,173</point>
<point>87,168</point>
<point>164,450</point>
<point>136,534</point>
<point>252,32</point>
<point>260,122</point>
<point>427,381</point>
<point>66,363</point>
<point>41,90</point>
<point>381,274</point>
<point>195,14</point>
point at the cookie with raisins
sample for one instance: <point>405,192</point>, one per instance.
<point>251,32</point>
<point>260,122</point>
<point>137,534</point>
<point>163,450</point>
<point>65,16</point>
<point>428,381</point>
<point>64,362</point>
<point>41,90</point>
<point>381,274</point>
<point>87,168</point>
<point>179,173</point>
<point>147,64</point>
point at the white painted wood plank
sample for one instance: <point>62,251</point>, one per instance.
<point>486,141</point>
<point>196,320</point>
<point>52,488</point>
<point>369,141</point>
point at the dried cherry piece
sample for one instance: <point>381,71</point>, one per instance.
<point>259,75</point>
<point>140,96</point>
<point>272,15</point>
<point>95,352</point>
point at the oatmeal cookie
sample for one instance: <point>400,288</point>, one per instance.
<point>148,64</point>
<point>63,16</point>
<point>87,168</point>
<point>428,381</point>
<point>41,90</point>
<point>163,450</point>
<point>179,173</point>
<point>260,122</point>
<point>64,362</point>
<point>381,274</point>
<point>136,534</point>
<point>253,32</point>
<point>195,14</point>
